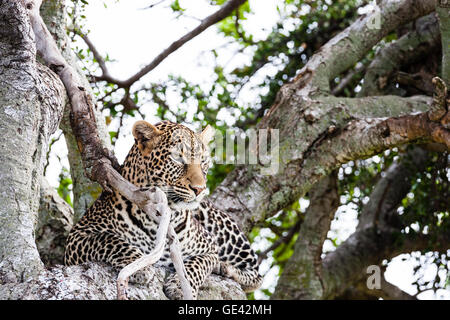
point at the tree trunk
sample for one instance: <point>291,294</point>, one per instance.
<point>31,100</point>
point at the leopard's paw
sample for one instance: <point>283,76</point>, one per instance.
<point>144,276</point>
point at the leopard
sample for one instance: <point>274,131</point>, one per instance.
<point>172,157</point>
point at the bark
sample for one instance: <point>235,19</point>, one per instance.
<point>31,99</point>
<point>301,277</point>
<point>92,281</point>
<point>411,47</point>
<point>53,226</point>
<point>443,12</point>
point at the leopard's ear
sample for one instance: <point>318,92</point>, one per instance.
<point>207,134</point>
<point>146,135</point>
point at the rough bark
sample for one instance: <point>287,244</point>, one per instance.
<point>54,223</point>
<point>409,48</point>
<point>93,281</point>
<point>443,11</point>
<point>301,277</point>
<point>31,99</point>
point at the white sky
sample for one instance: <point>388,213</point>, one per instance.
<point>133,37</point>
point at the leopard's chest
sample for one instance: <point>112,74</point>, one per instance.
<point>140,230</point>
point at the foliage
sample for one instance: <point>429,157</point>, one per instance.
<point>65,186</point>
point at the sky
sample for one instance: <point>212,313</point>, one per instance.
<point>133,36</point>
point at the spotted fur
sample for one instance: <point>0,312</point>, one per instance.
<point>114,230</point>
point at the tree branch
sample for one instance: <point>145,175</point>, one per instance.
<point>443,12</point>
<point>387,291</point>
<point>378,235</point>
<point>306,119</point>
<point>219,15</point>
<point>85,191</point>
<point>350,46</point>
<point>97,56</point>
<point>406,49</point>
<point>316,136</point>
<point>301,277</point>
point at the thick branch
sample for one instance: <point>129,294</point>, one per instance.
<point>408,48</point>
<point>350,46</point>
<point>85,191</point>
<point>367,137</point>
<point>370,246</point>
<point>301,277</point>
<point>316,136</point>
<point>443,12</point>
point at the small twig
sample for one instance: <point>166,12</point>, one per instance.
<point>98,57</point>
<point>281,240</point>
<point>47,156</point>
<point>152,5</point>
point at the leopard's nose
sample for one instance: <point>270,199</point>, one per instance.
<point>197,189</point>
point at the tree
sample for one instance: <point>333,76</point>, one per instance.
<point>351,88</point>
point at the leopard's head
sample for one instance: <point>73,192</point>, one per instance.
<point>172,157</point>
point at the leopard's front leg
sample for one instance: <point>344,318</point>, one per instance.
<point>199,252</point>
<point>197,269</point>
